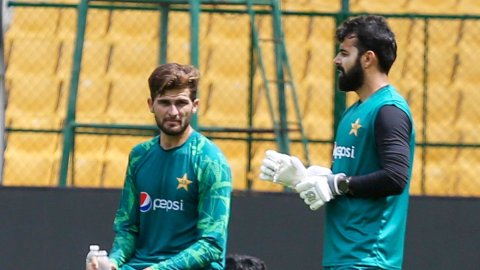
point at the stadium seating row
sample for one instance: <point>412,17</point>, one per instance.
<point>99,160</point>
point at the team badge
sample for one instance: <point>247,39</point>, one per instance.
<point>183,182</point>
<point>355,127</point>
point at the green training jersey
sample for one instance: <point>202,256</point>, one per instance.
<point>365,231</point>
<point>174,208</point>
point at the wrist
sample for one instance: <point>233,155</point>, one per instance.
<point>339,184</point>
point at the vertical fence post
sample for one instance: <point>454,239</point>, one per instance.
<point>2,95</point>
<point>280,76</point>
<point>194,39</point>
<point>69,128</point>
<point>164,11</point>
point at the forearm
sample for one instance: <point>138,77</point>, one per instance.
<point>125,224</point>
<point>376,184</point>
<point>197,256</point>
<point>123,248</point>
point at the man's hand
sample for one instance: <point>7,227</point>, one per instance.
<point>283,169</point>
<point>315,191</point>
<point>320,187</point>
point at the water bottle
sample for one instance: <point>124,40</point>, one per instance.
<point>103,261</point>
<point>92,256</point>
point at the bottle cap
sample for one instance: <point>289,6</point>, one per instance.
<point>102,253</point>
<point>94,247</point>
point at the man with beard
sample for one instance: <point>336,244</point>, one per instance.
<point>365,192</point>
<point>175,204</point>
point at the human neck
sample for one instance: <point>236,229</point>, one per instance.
<point>371,85</point>
<point>168,141</point>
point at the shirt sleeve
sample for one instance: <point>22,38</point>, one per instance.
<point>125,224</point>
<point>392,135</point>
<point>214,210</point>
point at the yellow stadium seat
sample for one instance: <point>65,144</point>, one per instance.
<point>402,28</point>
<point>134,24</point>
<point>238,167</point>
<point>322,34</point>
<point>378,6</point>
<point>320,154</point>
<point>416,185</point>
<point>34,22</point>
<point>95,59</point>
<point>135,59</point>
<point>430,6</point>
<point>92,100</point>
<point>88,157</point>
<point>97,24</point>
<point>297,29</point>
<point>467,121</point>
<point>311,5</point>
<point>89,144</point>
<point>26,121</point>
<point>223,102</point>
<point>443,113</point>
<point>128,101</point>
<point>32,142</point>
<point>222,63</point>
<point>116,158</point>
<point>468,169</point>
<point>28,169</point>
<point>121,145</point>
<point>115,168</point>
<point>228,26</point>
<point>33,96</point>
<point>236,155</point>
<point>317,109</point>
<point>467,58</point>
<point>468,7</point>
<point>88,171</point>
<point>33,57</point>
<point>441,173</point>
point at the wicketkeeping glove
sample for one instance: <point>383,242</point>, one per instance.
<point>319,187</point>
<point>314,190</point>
<point>282,169</point>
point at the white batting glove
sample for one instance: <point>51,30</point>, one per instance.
<point>282,169</point>
<point>315,190</point>
<point>316,170</point>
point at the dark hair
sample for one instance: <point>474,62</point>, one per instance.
<point>174,76</point>
<point>373,34</point>
<point>244,262</point>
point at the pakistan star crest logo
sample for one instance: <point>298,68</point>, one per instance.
<point>183,182</point>
<point>355,127</point>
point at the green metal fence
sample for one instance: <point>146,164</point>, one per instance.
<point>76,84</point>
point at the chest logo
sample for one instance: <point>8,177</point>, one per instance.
<point>355,127</point>
<point>183,182</point>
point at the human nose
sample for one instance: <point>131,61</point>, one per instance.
<point>337,61</point>
<point>173,110</point>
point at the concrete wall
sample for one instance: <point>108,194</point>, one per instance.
<point>42,228</point>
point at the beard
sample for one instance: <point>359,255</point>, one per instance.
<point>351,80</point>
<point>176,130</point>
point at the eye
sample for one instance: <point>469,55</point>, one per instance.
<point>163,102</point>
<point>182,103</point>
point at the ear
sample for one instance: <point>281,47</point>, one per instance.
<point>195,105</point>
<point>150,104</point>
<point>369,59</point>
